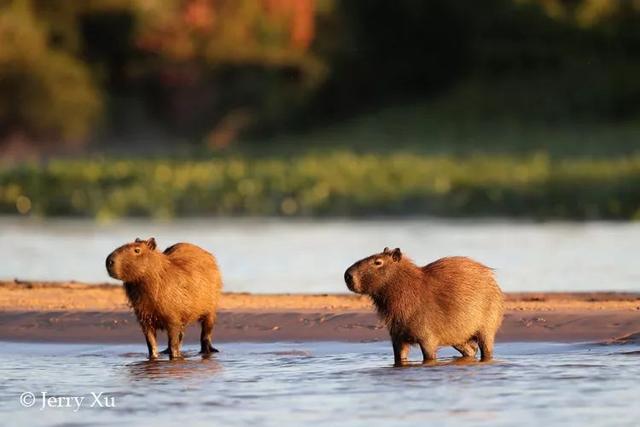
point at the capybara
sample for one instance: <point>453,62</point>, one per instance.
<point>453,301</point>
<point>169,290</point>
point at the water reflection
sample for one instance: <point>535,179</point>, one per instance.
<point>182,369</point>
<point>455,361</point>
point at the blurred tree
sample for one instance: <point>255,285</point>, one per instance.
<point>275,32</point>
<point>46,94</point>
<point>220,66</point>
<point>192,67</point>
<point>525,60</point>
<point>194,70</point>
<point>389,52</point>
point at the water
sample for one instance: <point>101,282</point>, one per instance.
<point>272,256</point>
<point>325,383</point>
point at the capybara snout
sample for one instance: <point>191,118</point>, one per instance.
<point>112,269</point>
<point>109,264</point>
<point>348,279</point>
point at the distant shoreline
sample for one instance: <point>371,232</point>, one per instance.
<point>98,313</point>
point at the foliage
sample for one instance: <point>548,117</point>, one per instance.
<point>213,72</point>
<point>336,184</point>
<point>62,62</point>
<point>550,60</point>
<point>44,92</point>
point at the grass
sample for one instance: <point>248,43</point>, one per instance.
<point>330,183</point>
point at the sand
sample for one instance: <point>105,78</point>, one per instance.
<point>98,313</point>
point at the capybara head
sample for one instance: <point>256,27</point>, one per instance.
<point>372,273</point>
<point>131,262</point>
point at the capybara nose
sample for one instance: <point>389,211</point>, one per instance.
<point>348,278</point>
<point>109,262</point>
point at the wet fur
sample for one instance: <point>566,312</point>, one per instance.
<point>169,290</point>
<point>453,301</point>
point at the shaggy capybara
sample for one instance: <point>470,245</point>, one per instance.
<point>169,290</point>
<point>453,301</point>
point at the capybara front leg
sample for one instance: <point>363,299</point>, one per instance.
<point>468,349</point>
<point>205,335</point>
<point>152,346</point>
<point>429,350</point>
<point>175,333</point>
<point>486,346</point>
<point>400,352</point>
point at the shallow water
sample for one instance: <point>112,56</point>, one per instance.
<point>324,383</point>
<point>310,256</point>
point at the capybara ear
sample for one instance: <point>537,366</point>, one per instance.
<point>396,255</point>
<point>151,243</point>
<point>386,250</point>
<point>139,240</point>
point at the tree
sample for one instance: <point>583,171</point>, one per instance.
<point>46,94</point>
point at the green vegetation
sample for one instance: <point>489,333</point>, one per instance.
<point>328,184</point>
<point>44,92</point>
<point>72,71</point>
<point>427,129</point>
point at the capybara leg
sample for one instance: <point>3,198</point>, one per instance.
<point>486,346</point>
<point>468,349</point>
<point>167,350</point>
<point>429,349</point>
<point>174,332</point>
<point>400,352</point>
<point>152,346</point>
<point>205,335</point>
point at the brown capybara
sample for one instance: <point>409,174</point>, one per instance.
<point>453,301</point>
<point>169,290</point>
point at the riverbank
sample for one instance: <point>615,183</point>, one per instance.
<point>78,312</point>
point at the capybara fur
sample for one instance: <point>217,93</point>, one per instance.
<point>453,301</point>
<point>169,290</point>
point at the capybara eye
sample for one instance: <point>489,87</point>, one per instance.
<point>137,250</point>
<point>378,262</point>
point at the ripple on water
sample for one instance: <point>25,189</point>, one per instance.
<point>287,384</point>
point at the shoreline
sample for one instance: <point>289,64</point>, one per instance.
<point>70,312</point>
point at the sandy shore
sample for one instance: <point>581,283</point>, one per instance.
<point>77,312</point>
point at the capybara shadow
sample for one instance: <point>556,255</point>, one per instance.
<point>453,301</point>
<point>169,290</point>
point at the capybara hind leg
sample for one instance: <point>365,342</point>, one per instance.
<point>486,346</point>
<point>429,350</point>
<point>152,346</point>
<point>468,349</point>
<point>205,335</point>
<point>174,333</point>
<point>400,352</point>
<point>167,350</point>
